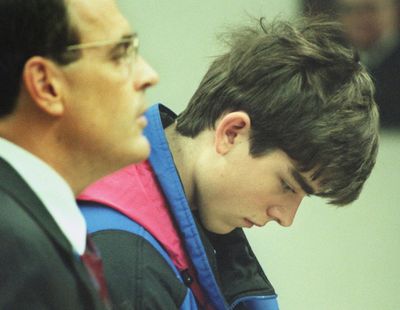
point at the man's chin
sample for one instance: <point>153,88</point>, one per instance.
<point>142,150</point>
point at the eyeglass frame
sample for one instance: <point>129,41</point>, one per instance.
<point>131,38</point>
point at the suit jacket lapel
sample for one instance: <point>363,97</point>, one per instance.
<point>13,184</point>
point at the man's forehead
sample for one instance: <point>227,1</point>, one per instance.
<point>97,19</point>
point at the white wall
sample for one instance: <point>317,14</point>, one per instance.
<point>330,259</point>
<point>178,37</point>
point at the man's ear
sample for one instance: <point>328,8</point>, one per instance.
<point>231,129</point>
<point>42,81</point>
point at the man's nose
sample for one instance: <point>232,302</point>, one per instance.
<point>145,75</point>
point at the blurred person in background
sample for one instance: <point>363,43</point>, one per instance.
<point>372,26</point>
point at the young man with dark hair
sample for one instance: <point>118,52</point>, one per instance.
<point>71,87</point>
<point>287,112</point>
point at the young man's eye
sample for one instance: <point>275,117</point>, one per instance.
<point>287,188</point>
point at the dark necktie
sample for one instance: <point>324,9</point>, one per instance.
<point>92,261</point>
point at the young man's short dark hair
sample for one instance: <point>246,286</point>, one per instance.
<point>306,94</point>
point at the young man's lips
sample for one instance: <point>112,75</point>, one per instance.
<point>248,223</point>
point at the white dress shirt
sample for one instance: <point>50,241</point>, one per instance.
<point>52,190</point>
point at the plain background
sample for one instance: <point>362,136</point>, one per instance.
<point>330,258</point>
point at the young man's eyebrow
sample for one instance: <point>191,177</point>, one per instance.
<point>302,182</point>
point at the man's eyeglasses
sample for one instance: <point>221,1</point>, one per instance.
<point>125,49</point>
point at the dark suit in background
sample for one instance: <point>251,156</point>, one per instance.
<point>386,76</point>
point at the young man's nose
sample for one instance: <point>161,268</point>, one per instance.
<point>289,212</point>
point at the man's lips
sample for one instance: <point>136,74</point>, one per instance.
<point>142,121</point>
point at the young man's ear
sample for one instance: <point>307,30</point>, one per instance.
<point>231,129</point>
<point>42,81</point>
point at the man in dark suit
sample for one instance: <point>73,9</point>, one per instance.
<point>71,104</point>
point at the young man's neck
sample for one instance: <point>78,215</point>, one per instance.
<point>183,150</point>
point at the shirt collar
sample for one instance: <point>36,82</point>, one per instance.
<point>52,190</point>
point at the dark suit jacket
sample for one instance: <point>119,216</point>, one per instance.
<point>387,81</point>
<point>38,269</point>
